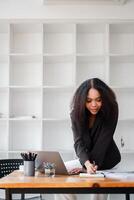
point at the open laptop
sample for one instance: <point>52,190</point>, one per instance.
<point>52,157</point>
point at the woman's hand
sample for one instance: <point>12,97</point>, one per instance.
<point>91,168</point>
<point>75,171</point>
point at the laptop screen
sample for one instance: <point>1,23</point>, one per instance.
<point>51,157</point>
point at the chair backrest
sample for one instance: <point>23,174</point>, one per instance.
<point>9,165</point>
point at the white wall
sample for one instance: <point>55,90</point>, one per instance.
<point>34,9</point>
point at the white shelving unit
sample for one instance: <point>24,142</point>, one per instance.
<point>41,65</point>
<point>121,70</point>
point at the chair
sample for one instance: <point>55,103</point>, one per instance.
<point>9,165</point>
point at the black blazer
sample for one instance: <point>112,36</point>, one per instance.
<point>97,144</point>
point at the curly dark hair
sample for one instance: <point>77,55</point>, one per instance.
<point>79,112</point>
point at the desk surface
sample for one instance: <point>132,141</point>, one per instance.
<point>17,180</point>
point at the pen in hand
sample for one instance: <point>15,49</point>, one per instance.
<point>91,167</point>
<point>94,163</point>
<point>94,166</point>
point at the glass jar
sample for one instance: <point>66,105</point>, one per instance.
<point>49,172</point>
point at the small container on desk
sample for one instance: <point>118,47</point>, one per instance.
<point>29,163</point>
<point>29,168</point>
<point>49,169</point>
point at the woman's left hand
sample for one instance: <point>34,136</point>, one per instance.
<point>76,170</point>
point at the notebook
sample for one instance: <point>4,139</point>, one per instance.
<point>109,174</point>
<point>96,175</point>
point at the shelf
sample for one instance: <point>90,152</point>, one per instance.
<point>84,2</point>
<point>27,134</point>
<point>122,58</point>
<point>126,119</point>
<point>56,119</point>
<point>3,135</point>
<point>90,57</point>
<point>59,88</point>
<point>4,103</point>
<point>89,67</point>
<point>123,89</point>
<point>127,152</point>
<point>4,39</point>
<point>59,38</point>
<point>125,133</point>
<point>54,107</point>
<point>4,70</point>
<point>125,100</point>
<point>30,101</point>
<point>58,70</point>
<point>121,38</point>
<point>24,87</point>
<point>25,118</point>
<point>90,39</point>
<point>55,129</point>
<point>26,70</point>
<point>121,67</point>
<point>26,38</point>
<point>3,118</point>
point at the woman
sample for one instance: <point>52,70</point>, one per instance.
<point>94,118</point>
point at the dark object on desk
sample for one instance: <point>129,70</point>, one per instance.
<point>28,156</point>
<point>29,163</point>
<point>29,168</point>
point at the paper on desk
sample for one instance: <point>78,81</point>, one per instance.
<point>96,175</point>
<point>70,165</point>
<point>119,175</point>
<point>110,174</point>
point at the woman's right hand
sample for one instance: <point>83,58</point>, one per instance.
<point>91,168</point>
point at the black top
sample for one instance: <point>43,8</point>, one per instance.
<point>97,144</point>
